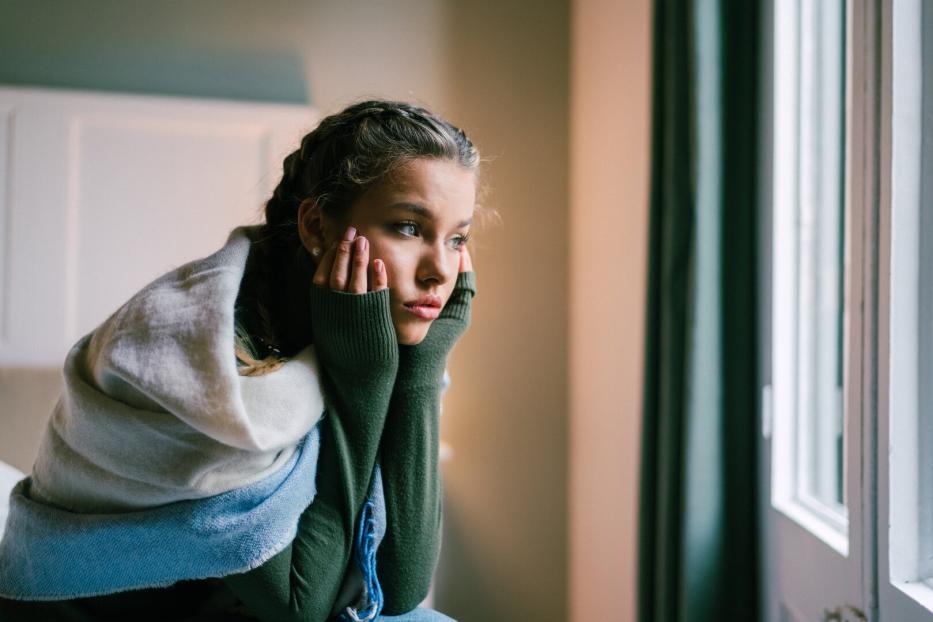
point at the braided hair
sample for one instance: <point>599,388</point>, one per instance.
<point>350,151</point>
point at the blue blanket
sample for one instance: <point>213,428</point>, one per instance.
<point>52,554</point>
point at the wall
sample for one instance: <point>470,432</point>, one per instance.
<point>510,505</point>
<point>498,69</point>
<point>610,147</point>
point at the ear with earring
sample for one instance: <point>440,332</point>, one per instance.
<point>305,227</point>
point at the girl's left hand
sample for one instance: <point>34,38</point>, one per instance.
<point>466,262</point>
<point>455,316</point>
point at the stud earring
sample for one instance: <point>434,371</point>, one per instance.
<point>316,252</point>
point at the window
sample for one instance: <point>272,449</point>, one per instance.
<point>809,226</point>
<point>849,397</point>
<point>906,407</point>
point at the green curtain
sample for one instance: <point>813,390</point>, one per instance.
<point>698,519</point>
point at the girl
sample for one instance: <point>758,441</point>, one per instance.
<point>255,434</point>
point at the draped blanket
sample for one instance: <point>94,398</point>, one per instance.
<point>160,462</point>
<point>52,554</point>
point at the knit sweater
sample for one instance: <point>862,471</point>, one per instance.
<point>360,356</point>
<point>381,398</point>
<point>409,448</point>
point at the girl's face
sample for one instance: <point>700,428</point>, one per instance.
<point>416,221</point>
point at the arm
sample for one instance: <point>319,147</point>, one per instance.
<point>357,345</point>
<point>409,552</point>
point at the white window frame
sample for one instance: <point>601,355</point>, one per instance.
<point>901,596</point>
<point>878,387</point>
<point>790,436</point>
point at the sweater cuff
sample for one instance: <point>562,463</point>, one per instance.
<point>354,327</point>
<point>458,305</point>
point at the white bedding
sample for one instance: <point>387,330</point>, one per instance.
<point>8,478</point>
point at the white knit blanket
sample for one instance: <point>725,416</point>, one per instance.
<point>153,410</point>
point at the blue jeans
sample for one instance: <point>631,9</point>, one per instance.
<point>417,615</point>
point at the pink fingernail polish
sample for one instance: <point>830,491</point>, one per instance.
<point>350,234</point>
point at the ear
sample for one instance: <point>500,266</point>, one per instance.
<point>311,225</point>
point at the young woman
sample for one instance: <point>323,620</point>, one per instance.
<point>255,434</point>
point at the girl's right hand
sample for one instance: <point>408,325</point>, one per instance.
<point>345,266</point>
<point>351,325</point>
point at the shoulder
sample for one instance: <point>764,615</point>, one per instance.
<point>182,319</point>
<point>199,292</point>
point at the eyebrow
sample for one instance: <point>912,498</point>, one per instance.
<point>424,212</point>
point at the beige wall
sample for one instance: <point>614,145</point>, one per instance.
<point>500,69</point>
<point>610,134</point>
<point>508,414</point>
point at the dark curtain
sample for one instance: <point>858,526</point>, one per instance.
<point>698,519</point>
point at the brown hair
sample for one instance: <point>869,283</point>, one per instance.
<point>350,151</point>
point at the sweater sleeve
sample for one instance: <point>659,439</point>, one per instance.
<point>409,552</point>
<point>358,348</point>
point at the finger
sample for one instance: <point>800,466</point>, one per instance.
<point>341,269</point>
<point>466,262</point>
<point>380,276</point>
<point>358,266</point>
<point>322,274</point>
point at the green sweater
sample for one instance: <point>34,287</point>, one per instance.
<point>408,554</point>
<point>383,401</point>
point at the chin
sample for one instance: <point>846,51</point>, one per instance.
<point>411,338</point>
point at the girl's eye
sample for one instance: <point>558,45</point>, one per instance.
<point>459,241</point>
<point>412,229</point>
<point>407,228</point>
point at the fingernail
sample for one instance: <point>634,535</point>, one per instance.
<point>350,234</point>
<point>361,243</point>
<point>377,266</point>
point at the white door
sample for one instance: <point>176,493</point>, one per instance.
<point>100,193</point>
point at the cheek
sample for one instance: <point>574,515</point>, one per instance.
<point>396,262</point>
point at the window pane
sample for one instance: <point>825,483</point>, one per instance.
<point>821,227</point>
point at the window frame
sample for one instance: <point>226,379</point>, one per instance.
<point>868,165</point>
<point>898,599</point>
<point>791,436</point>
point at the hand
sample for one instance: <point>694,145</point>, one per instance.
<point>466,262</point>
<point>458,305</point>
<point>345,266</point>
<point>351,324</point>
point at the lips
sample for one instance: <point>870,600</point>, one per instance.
<point>426,307</point>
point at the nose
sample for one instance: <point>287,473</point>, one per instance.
<point>436,264</point>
